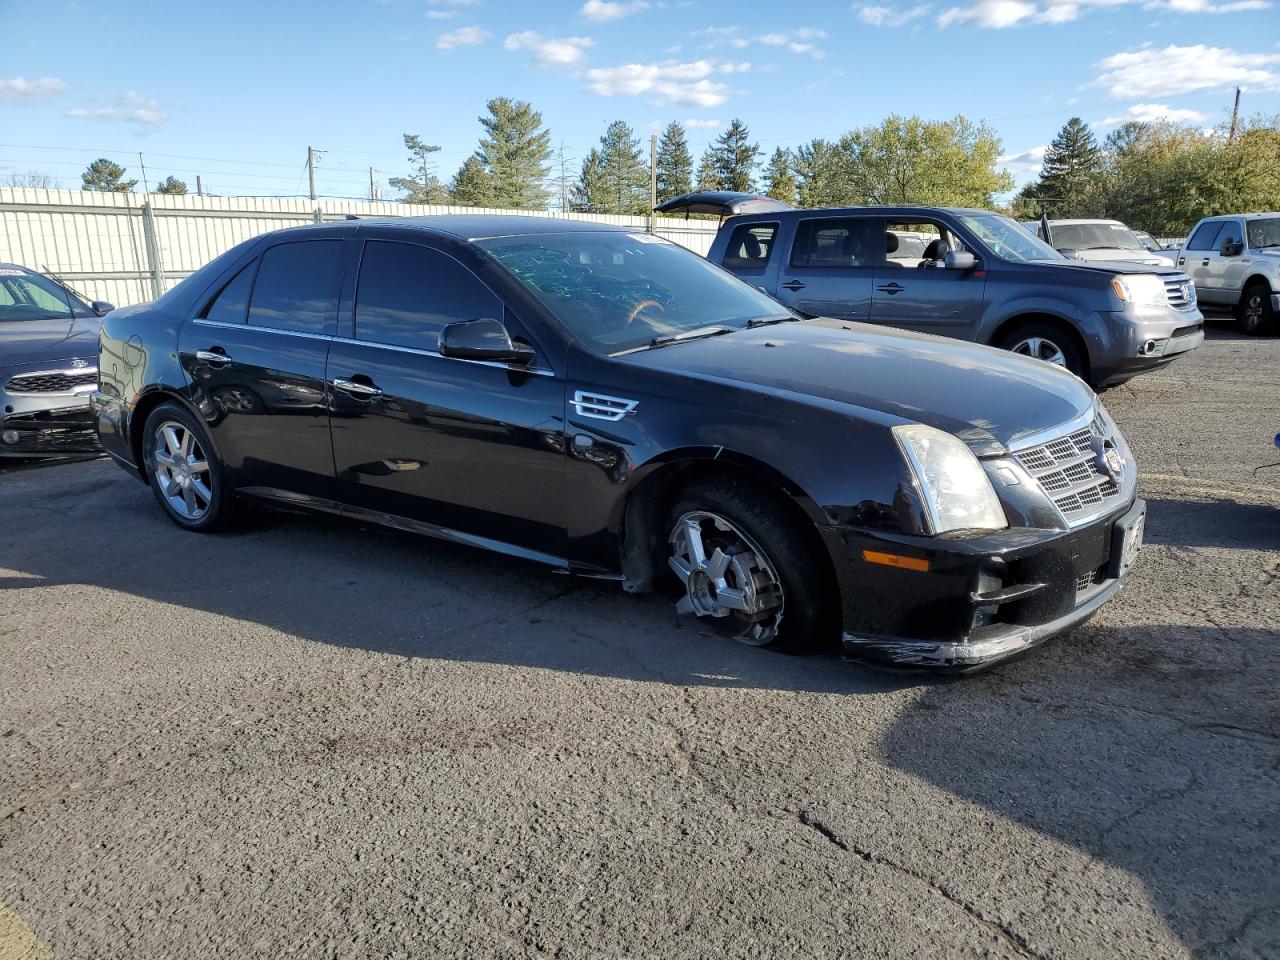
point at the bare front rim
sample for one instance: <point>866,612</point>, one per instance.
<point>182,470</point>
<point>726,575</point>
<point>1042,349</point>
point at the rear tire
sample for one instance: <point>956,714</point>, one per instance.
<point>184,471</point>
<point>1049,342</point>
<point>755,556</point>
<point>1257,317</point>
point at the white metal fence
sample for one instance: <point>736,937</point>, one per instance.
<point>128,248</point>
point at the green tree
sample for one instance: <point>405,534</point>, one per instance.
<point>1071,180</point>
<point>622,171</point>
<point>907,160</point>
<point>106,176</point>
<point>424,186</point>
<point>472,186</point>
<point>708,178</point>
<point>822,175</point>
<point>675,163</point>
<point>172,186</point>
<point>735,158</point>
<point>780,182</point>
<point>591,192</point>
<point>515,150</point>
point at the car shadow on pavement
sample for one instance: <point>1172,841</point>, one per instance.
<point>1215,523</point>
<point>1153,749</point>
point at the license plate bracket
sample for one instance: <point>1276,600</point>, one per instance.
<point>1126,539</point>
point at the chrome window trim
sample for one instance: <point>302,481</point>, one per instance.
<point>250,326</point>
<point>418,351</point>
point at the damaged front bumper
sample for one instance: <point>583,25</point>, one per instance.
<point>66,431</point>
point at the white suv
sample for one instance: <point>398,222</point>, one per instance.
<point>1101,240</point>
<point>1235,262</point>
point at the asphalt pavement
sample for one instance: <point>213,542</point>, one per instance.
<point>309,738</point>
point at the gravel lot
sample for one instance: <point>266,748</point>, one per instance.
<point>313,739</point>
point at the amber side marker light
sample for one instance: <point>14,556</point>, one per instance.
<point>896,560</point>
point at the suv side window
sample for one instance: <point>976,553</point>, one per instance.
<point>1230,231</point>
<point>407,293</point>
<point>750,246</point>
<point>297,286</point>
<point>838,242</point>
<point>232,302</point>
<point>1205,236</point>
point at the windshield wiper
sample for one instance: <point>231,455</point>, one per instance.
<point>698,333</point>
<point>769,321</point>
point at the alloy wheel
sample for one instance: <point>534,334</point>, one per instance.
<point>182,470</point>
<point>1042,349</point>
<point>726,576</point>
<point>1253,311</point>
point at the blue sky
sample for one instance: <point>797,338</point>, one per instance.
<point>236,90</point>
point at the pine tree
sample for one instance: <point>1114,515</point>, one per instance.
<point>472,186</point>
<point>780,182</point>
<point>591,193</point>
<point>675,163</point>
<point>1070,183</point>
<point>172,186</point>
<point>707,178</point>
<point>622,171</point>
<point>424,186</point>
<point>735,158</point>
<point>515,151</point>
<point>106,177</point>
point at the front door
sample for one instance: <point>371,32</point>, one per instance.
<point>1225,273</point>
<point>831,267</point>
<point>255,355</point>
<point>913,288</point>
<point>1197,258</point>
<point>473,448</point>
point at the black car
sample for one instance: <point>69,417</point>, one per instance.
<point>613,405</point>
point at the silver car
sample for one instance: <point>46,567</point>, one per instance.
<point>48,365</point>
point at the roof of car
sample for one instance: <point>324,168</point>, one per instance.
<point>1247,216</point>
<point>1078,221</point>
<point>474,226</point>
<point>15,266</point>
<point>887,209</point>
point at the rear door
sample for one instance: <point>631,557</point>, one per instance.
<point>915,291</point>
<point>255,354</point>
<point>831,267</point>
<point>472,447</point>
<point>1198,255</point>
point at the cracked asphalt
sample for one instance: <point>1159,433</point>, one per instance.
<point>313,739</point>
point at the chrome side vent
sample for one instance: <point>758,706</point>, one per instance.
<point>601,407</point>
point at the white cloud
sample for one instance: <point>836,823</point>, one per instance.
<point>22,90</point>
<point>876,15</point>
<point>442,14</point>
<point>128,107</point>
<point>1150,72</point>
<point>797,41</point>
<point>462,37</point>
<point>668,82</point>
<point>701,124</point>
<point>1001,14</point>
<point>1027,163</point>
<point>1152,113</point>
<point>992,14</point>
<point>602,11</point>
<point>1207,6</point>
<point>550,51</point>
<point>452,3</point>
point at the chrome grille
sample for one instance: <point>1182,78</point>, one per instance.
<point>1067,469</point>
<point>1180,291</point>
<point>52,381</point>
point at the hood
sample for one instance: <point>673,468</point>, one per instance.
<point>989,398</point>
<point>1112,267</point>
<point>1125,255</point>
<point>26,342</point>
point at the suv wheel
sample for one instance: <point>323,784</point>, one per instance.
<point>1047,342</point>
<point>744,566</point>
<point>1256,314</point>
<point>185,474</point>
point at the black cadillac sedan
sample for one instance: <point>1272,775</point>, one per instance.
<point>612,405</point>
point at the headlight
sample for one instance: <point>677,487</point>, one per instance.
<point>957,493</point>
<point>1141,289</point>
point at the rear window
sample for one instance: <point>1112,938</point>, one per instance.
<point>231,303</point>
<point>297,286</point>
<point>750,246</point>
<point>837,243</point>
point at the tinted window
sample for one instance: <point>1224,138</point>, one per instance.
<point>1203,238</point>
<point>749,246</point>
<point>29,296</point>
<point>296,287</point>
<point>407,293</point>
<point>1264,233</point>
<point>230,305</point>
<point>837,243</point>
<point>1230,232</point>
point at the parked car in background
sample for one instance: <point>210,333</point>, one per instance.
<point>981,277</point>
<point>1102,240</point>
<point>48,365</point>
<point>611,404</point>
<point>1235,263</point>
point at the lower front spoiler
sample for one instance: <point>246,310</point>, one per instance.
<point>49,433</point>
<point>997,643</point>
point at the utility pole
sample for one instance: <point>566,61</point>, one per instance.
<point>373,189</point>
<point>1235,118</point>
<point>199,186</point>
<point>311,171</point>
<point>147,189</point>
<point>653,181</point>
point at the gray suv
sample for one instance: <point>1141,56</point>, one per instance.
<point>977,276</point>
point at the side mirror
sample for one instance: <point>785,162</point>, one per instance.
<point>101,307</point>
<point>482,339</point>
<point>1231,248</point>
<point>959,260</point>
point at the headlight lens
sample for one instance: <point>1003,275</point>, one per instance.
<point>1141,289</point>
<point>957,493</point>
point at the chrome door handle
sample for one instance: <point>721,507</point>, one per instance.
<point>1204,262</point>
<point>216,357</point>
<point>366,390</point>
